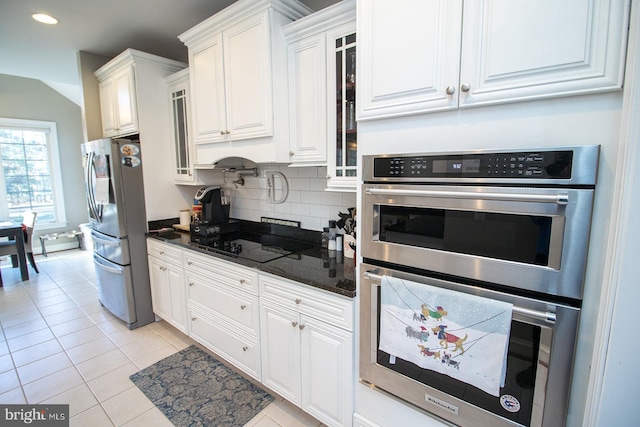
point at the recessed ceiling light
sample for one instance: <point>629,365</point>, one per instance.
<point>44,18</point>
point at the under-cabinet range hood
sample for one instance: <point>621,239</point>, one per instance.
<point>228,163</point>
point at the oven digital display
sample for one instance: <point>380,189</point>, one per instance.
<point>456,166</point>
<point>521,165</point>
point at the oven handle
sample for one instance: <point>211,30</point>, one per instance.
<point>560,199</point>
<point>547,316</point>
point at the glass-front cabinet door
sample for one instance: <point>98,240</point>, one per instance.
<point>342,162</point>
<point>178,86</point>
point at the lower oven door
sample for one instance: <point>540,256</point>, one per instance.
<point>539,361</point>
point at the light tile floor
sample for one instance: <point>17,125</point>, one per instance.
<point>59,345</point>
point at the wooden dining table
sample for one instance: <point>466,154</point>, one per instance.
<point>14,231</point>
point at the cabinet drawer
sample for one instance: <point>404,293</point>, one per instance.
<point>221,338</point>
<point>164,251</point>
<point>333,309</point>
<point>239,308</point>
<point>242,278</point>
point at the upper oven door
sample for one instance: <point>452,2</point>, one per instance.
<point>489,234</point>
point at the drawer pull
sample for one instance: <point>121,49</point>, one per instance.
<point>242,307</point>
<point>191,284</point>
<point>161,252</point>
<point>298,300</point>
<point>294,324</point>
<point>245,348</point>
<point>193,319</point>
<point>242,281</point>
<point>301,327</point>
<point>189,263</point>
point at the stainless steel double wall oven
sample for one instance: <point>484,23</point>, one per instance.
<point>509,225</point>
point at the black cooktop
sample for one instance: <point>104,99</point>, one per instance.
<point>259,248</point>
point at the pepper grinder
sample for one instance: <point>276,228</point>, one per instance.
<point>332,235</point>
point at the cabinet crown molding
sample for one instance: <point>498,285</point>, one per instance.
<point>131,56</point>
<point>240,10</point>
<point>332,16</point>
<point>179,76</point>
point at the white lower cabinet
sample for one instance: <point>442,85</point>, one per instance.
<point>223,339</point>
<point>223,310</point>
<point>305,358</point>
<point>295,339</point>
<point>167,283</point>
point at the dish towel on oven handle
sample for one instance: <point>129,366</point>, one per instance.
<point>460,335</point>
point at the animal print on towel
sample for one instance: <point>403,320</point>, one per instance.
<point>460,335</point>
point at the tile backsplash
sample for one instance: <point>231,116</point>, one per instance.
<point>307,201</point>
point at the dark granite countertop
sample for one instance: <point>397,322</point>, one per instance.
<point>313,266</point>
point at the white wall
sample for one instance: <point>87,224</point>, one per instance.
<point>91,118</point>
<point>23,98</point>
<point>580,120</point>
<point>615,370</point>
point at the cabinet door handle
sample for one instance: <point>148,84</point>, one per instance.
<point>221,132</point>
<point>242,281</point>
<point>227,132</point>
<point>450,90</point>
<point>291,153</point>
<point>242,307</point>
<point>191,284</point>
<point>193,319</point>
<point>465,87</point>
<point>161,252</point>
<point>189,263</point>
<point>245,348</point>
<point>298,300</point>
<point>301,327</point>
<point>294,324</point>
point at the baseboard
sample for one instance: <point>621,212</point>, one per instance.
<point>55,247</point>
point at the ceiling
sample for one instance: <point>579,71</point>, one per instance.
<point>49,52</point>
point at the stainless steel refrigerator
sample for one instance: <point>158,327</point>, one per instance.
<point>115,200</point>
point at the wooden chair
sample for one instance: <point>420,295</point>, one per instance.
<point>9,247</point>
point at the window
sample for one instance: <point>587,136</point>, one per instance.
<point>30,172</point>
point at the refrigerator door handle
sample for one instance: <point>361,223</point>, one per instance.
<point>108,242</point>
<point>95,210</point>
<point>107,268</point>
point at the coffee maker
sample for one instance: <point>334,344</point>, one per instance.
<point>214,209</point>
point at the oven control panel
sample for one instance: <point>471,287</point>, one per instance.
<point>525,164</point>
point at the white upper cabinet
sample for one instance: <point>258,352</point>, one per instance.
<point>247,71</point>
<point>239,87</point>
<point>232,83</point>
<point>532,49</point>
<point>308,101</point>
<point>449,54</point>
<point>312,80</point>
<point>182,150</point>
<point>408,53</point>
<point>321,60</point>
<point>124,83</point>
<point>118,103</point>
<point>206,69</point>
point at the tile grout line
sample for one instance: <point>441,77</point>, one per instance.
<point>13,362</point>
<point>64,350</point>
<point>84,380</point>
<point>44,317</point>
